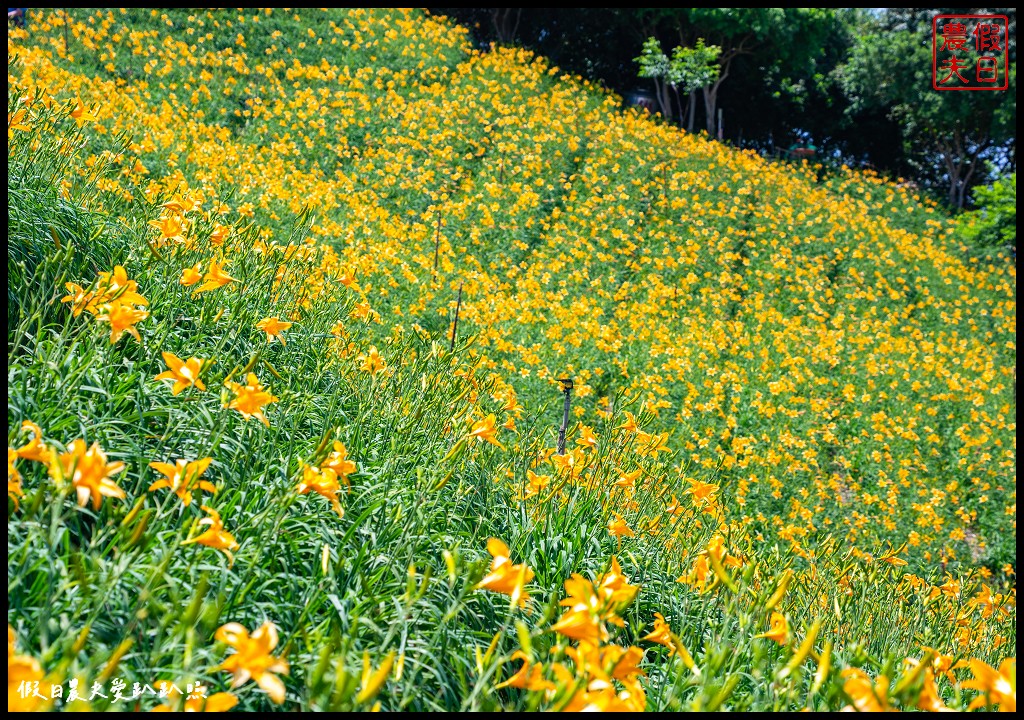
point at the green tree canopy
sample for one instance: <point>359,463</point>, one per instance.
<point>948,136</point>
<point>690,69</point>
<point>994,223</point>
<point>856,82</point>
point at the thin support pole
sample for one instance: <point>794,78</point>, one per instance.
<point>567,389</point>
<point>455,325</point>
<point>437,241</point>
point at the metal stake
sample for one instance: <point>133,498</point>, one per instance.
<point>455,325</point>
<point>567,389</point>
<point>437,240</point>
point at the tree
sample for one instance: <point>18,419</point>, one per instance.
<point>994,224</point>
<point>692,69</point>
<point>506,22</point>
<point>784,75</point>
<point>948,136</point>
<point>764,52</point>
<point>789,38</point>
<point>654,64</point>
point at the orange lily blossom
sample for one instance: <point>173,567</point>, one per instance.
<point>184,374</point>
<point>702,492</point>
<point>122,318</point>
<point>998,688</point>
<point>629,424</point>
<point>111,287</point>
<point>181,204</point>
<point>273,327</point>
<point>658,444</point>
<point>587,437</point>
<point>485,431</point>
<point>662,633</point>
<point>35,449</point>
<point>362,311</point>
<point>322,481</point>
<point>929,699</point>
<point>582,621</point>
<point>116,286</point>
<point>573,462</point>
<point>170,230</point>
<point>250,398</point>
<point>15,121</point>
<point>608,662</point>
<point>699,575</point>
<point>191,275</point>
<point>339,463</point>
<point>628,479</point>
<point>943,664</point>
<point>215,536</point>
<point>22,670</point>
<point>252,658</point>
<point>535,483</point>
<point>183,477</point>
<point>214,278</point>
<point>80,299</point>
<point>505,577</point>
<point>614,589</point>
<point>778,629</point>
<point>219,234</point>
<point>89,472</point>
<point>601,696</point>
<point>14,490</point>
<point>618,528</point>
<point>529,677</point>
<point>866,697</point>
<point>371,361</point>
<point>80,114</point>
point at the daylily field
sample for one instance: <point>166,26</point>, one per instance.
<point>289,297</point>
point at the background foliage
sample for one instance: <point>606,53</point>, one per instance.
<point>853,82</point>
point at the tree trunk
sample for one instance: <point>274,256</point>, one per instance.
<point>711,91</point>
<point>961,191</point>
<point>953,171</point>
<point>961,163</point>
<point>693,110</point>
<point>971,167</point>
<point>664,100</point>
<point>711,97</point>
<point>505,23</point>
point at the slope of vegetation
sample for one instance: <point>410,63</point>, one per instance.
<point>244,448</point>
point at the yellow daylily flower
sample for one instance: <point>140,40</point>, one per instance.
<point>183,478</point>
<point>89,472</point>
<point>273,327</point>
<point>250,399</point>
<point>505,577</point>
<point>778,629</point>
<point>215,536</point>
<point>252,658</point>
<point>183,373</point>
